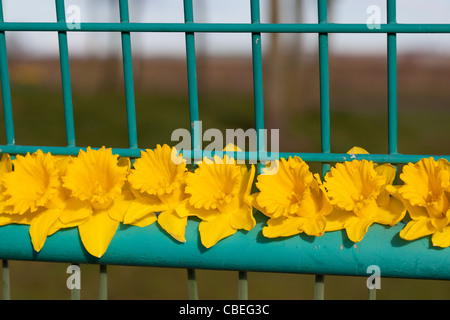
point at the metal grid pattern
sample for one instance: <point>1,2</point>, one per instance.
<point>329,254</point>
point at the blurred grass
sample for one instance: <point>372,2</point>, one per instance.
<point>357,118</point>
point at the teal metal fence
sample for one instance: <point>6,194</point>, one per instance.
<point>329,254</point>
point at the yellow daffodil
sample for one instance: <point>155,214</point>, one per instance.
<point>6,216</point>
<point>293,199</point>
<point>34,195</point>
<point>426,194</point>
<point>158,182</point>
<point>219,192</point>
<point>5,167</point>
<point>357,190</point>
<point>96,184</point>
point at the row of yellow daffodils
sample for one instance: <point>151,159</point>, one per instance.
<point>96,191</point>
<point>354,195</point>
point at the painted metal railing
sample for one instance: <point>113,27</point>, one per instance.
<point>243,252</point>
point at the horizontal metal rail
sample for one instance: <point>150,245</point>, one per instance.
<point>331,253</point>
<point>250,157</point>
<point>226,27</point>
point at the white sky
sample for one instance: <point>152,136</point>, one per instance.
<point>237,11</point>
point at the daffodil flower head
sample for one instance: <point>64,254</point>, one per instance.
<point>426,194</point>
<point>95,176</point>
<point>357,190</point>
<point>219,192</point>
<point>159,171</point>
<point>34,183</point>
<point>5,167</point>
<point>354,186</point>
<point>34,195</point>
<point>6,210</point>
<point>293,198</point>
<point>158,182</point>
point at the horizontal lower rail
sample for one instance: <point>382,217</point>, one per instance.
<point>226,27</point>
<point>332,253</point>
<point>249,156</point>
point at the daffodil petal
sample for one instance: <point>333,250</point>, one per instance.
<point>146,220</point>
<point>5,164</point>
<point>357,150</point>
<point>247,182</point>
<point>6,218</point>
<point>283,227</point>
<point>124,162</point>
<point>356,228</point>
<point>121,205</point>
<point>415,212</point>
<point>140,208</point>
<point>252,199</point>
<point>441,238</point>
<point>4,207</point>
<point>75,212</point>
<point>336,219</point>
<point>392,213</point>
<point>388,171</point>
<point>417,229</point>
<point>213,231</point>
<point>243,218</point>
<point>174,225</point>
<point>315,227</point>
<point>185,209</point>
<point>41,224</point>
<point>440,223</point>
<point>97,232</point>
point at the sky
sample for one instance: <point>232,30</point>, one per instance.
<point>221,11</point>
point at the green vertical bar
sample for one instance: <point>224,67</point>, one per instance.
<point>6,288</point>
<point>319,287</point>
<point>103,282</point>
<point>9,130</point>
<point>65,75</point>
<point>325,127</point>
<point>392,78</point>
<point>258,93</point>
<point>128,77</point>
<point>243,285</point>
<point>324,81</point>
<point>192,284</point>
<point>258,96</point>
<point>5,86</point>
<point>195,127</point>
<point>75,293</point>
<point>372,294</point>
<point>324,85</point>
<point>192,83</point>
